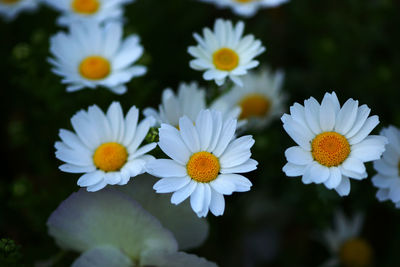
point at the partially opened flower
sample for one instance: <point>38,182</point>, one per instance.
<point>105,147</point>
<point>388,177</point>
<point>92,55</point>
<point>333,142</point>
<point>260,99</point>
<point>88,10</point>
<point>225,52</point>
<point>246,8</point>
<point>345,244</point>
<point>206,162</point>
<point>9,9</point>
<point>111,229</point>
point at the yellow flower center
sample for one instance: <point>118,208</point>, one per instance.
<point>225,59</point>
<point>203,167</point>
<point>356,253</point>
<point>85,6</point>
<point>95,68</point>
<point>330,148</point>
<point>254,105</point>
<point>110,157</point>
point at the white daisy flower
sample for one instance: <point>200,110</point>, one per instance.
<point>111,228</point>
<point>260,99</point>
<point>88,10</point>
<point>388,177</point>
<point>105,147</point>
<point>246,8</point>
<point>92,55</point>
<point>9,9</point>
<point>205,159</point>
<point>224,52</point>
<point>189,101</point>
<point>333,142</point>
<point>345,244</point>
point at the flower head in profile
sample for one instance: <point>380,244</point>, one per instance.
<point>189,101</point>
<point>9,9</point>
<point>333,142</point>
<point>92,55</point>
<point>86,223</point>
<point>206,162</point>
<point>387,179</point>
<point>73,11</point>
<point>246,8</point>
<point>345,244</point>
<point>105,147</point>
<point>260,99</point>
<point>224,52</point>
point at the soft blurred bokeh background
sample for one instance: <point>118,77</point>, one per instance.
<point>351,47</point>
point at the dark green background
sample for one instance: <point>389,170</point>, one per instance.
<point>352,47</point>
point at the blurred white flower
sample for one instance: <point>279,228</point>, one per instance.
<point>205,159</point>
<point>9,9</point>
<point>388,177</point>
<point>112,229</point>
<point>246,8</point>
<point>345,244</point>
<point>73,11</point>
<point>189,101</point>
<point>106,147</point>
<point>225,52</point>
<point>92,55</point>
<point>260,99</point>
<point>333,142</point>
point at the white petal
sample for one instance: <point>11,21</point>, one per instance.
<point>293,170</point>
<point>172,144</point>
<point>183,193</point>
<point>242,184</point>
<point>298,155</point>
<point>247,166</point>
<point>335,178</point>
<point>366,129</point>
<point>327,114</point>
<point>354,165</point>
<point>165,168</point>
<point>172,184</point>
<point>189,134</point>
<point>343,188</point>
<point>90,178</point>
<point>346,117</point>
<point>217,204</point>
<point>197,198</point>
<point>204,126</point>
<point>103,256</point>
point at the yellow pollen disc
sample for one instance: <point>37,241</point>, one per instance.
<point>356,253</point>
<point>203,167</point>
<point>110,157</point>
<point>330,149</point>
<point>95,68</point>
<point>225,59</point>
<point>9,1</point>
<point>254,105</point>
<point>85,6</point>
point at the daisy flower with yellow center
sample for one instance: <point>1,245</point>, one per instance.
<point>260,99</point>
<point>387,179</point>
<point>246,8</point>
<point>333,142</point>
<point>9,9</point>
<point>88,10</point>
<point>92,55</point>
<point>224,52</point>
<point>105,147</point>
<point>206,162</point>
<point>345,244</point>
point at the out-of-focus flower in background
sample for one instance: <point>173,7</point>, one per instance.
<point>345,244</point>
<point>9,9</point>
<point>388,178</point>
<point>246,8</point>
<point>205,160</point>
<point>112,228</point>
<point>106,147</point>
<point>92,55</point>
<point>88,10</point>
<point>189,101</point>
<point>260,99</point>
<point>224,52</point>
<point>334,142</point>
